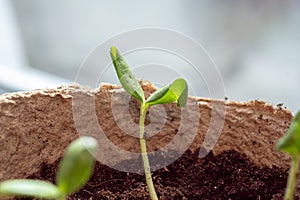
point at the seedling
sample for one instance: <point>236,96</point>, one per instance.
<point>74,171</point>
<point>175,92</point>
<point>290,143</point>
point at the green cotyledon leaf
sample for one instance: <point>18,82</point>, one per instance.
<point>29,188</point>
<point>290,142</point>
<point>175,92</point>
<point>126,77</point>
<point>77,165</point>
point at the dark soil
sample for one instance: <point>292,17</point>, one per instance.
<point>229,175</point>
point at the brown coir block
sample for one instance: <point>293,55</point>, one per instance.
<point>36,126</point>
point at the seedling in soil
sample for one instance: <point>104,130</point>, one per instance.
<point>175,92</point>
<point>290,143</point>
<point>74,171</point>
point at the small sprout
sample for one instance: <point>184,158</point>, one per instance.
<point>290,143</point>
<point>175,92</point>
<point>74,171</point>
<point>29,188</point>
<point>77,165</point>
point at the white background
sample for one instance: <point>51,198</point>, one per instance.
<point>256,44</point>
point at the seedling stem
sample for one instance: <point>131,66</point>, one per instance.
<point>290,190</point>
<point>145,158</point>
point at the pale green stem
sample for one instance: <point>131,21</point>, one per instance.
<point>289,194</point>
<point>147,169</point>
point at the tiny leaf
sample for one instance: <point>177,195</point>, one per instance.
<point>126,77</point>
<point>29,188</point>
<point>77,165</point>
<point>290,142</point>
<point>177,91</point>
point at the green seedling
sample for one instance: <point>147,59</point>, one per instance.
<point>290,143</point>
<point>74,171</point>
<point>175,92</point>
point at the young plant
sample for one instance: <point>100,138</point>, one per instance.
<point>74,171</point>
<point>290,143</point>
<point>175,92</point>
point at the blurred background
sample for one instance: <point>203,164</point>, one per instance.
<point>255,44</point>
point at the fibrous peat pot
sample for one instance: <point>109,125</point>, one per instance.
<point>36,127</point>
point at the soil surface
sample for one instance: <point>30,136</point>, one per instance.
<point>229,175</point>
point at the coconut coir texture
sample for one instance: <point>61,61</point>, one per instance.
<point>37,126</point>
<point>229,175</point>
